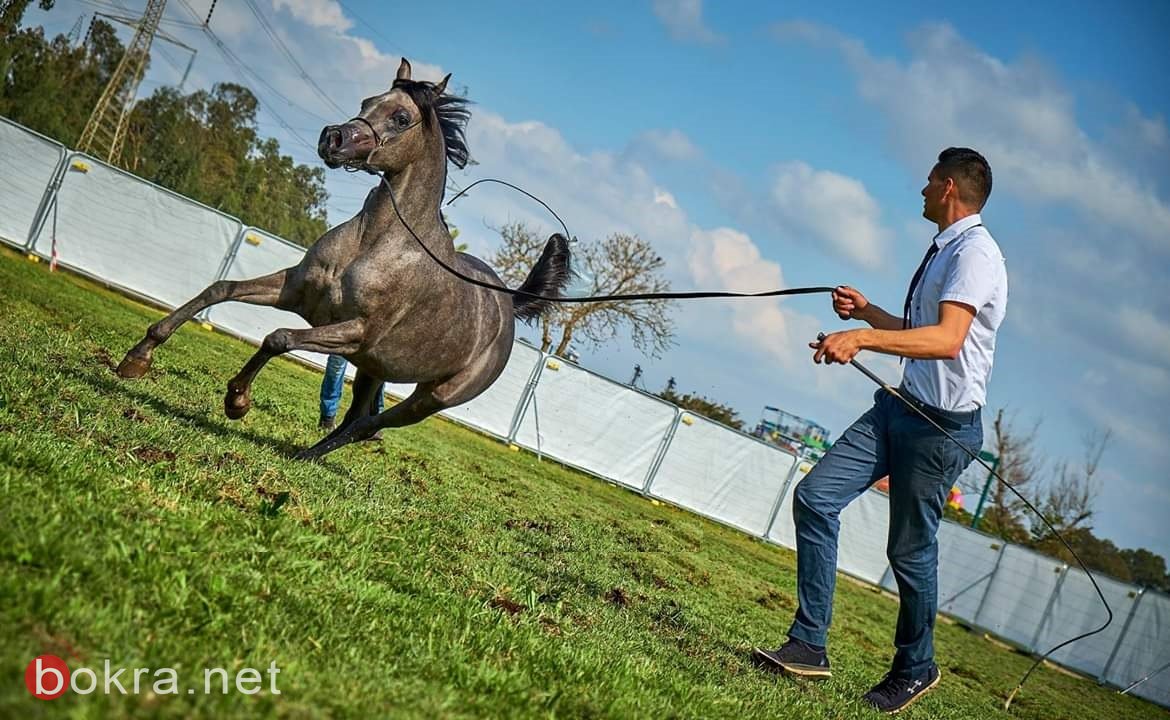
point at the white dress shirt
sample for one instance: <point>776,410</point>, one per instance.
<point>968,268</point>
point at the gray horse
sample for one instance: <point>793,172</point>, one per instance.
<point>370,291</point>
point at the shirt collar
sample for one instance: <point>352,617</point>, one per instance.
<point>956,229</point>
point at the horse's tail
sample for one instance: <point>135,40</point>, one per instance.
<point>548,276</point>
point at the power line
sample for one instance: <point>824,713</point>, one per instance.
<point>242,70</point>
<point>272,35</point>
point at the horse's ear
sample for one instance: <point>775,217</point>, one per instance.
<point>441,85</point>
<point>403,70</point>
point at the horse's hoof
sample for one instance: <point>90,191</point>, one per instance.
<point>133,367</point>
<point>237,404</point>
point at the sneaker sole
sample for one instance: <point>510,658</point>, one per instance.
<point>811,672</point>
<point>914,699</point>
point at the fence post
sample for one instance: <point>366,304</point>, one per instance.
<point>990,581</point>
<point>224,266</point>
<point>796,461</point>
<point>1103,677</point>
<point>526,397</point>
<point>663,447</point>
<point>1063,570</point>
<point>47,199</point>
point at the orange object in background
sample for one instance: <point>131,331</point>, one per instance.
<point>955,499</point>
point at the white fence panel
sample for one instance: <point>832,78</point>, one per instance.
<point>861,545</point>
<point>135,235</point>
<point>259,254</point>
<point>594,423</point>
<point>722,474</point>
<point>28,163</point>
<point>1144,649</point>
<point>1019,594</point>
<point>783,531</point>
<point>494,410</point>
<point>966,561</point>
<point>1076,609</point>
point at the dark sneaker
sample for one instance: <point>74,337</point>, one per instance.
<point>795,657</point>
<point>326,423</point>
<point>893,694</point>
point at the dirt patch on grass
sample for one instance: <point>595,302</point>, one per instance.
<point>229,459</point>
<point>508,605</point>
<point>408,476</point>
<point>134,416</point>
<point>55,643</point>
<point>102,356</point>
<point>152,455</point>
<point>617,597</point>
<point>773,600</point>
<point>541,526</point>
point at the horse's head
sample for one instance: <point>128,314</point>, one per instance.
<point>396,128</point>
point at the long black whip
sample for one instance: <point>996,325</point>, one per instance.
<point>770,293</point>
<point>975,456</point>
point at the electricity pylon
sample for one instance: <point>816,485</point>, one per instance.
<point>105,131</point>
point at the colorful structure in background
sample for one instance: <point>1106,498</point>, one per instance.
<point>798,435</point>
<point>955,498</point>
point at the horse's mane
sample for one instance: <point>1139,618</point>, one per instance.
<point>451,111</point>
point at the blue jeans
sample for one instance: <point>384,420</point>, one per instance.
<point>889,439</point>
<point>334,383</point>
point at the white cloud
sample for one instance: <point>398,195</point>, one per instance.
<point>833,209</point>
<point>683,19</point>
<point>672,145</point>
<point>1143,332</point>
<point>325,14</point>
<point>665,198</point>
<point>1017,113</point>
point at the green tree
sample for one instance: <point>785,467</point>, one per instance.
<point>703,406</point>
<point>204,145</point>
<point>1147,568</point>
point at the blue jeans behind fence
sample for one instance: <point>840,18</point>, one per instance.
<point>923,465</point>
<point>333,385</point>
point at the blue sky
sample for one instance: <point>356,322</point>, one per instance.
<point>760,145</point>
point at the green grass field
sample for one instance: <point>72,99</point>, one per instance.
<point>436,574</point>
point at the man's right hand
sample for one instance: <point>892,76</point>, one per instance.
<point>848,303</point>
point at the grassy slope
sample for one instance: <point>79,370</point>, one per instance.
<point>437,574</point>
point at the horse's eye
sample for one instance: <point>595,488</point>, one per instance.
<point>402,119</point>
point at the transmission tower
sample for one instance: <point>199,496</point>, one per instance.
<point>75,33</point>
<point>105,131</point>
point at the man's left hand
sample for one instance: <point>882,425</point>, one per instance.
<point>838,347</point>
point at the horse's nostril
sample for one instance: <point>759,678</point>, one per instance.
<point>334,138</point>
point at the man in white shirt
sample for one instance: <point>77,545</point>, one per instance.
<point>946,335</point>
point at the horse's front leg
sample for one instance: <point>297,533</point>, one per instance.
<point>343,338</point>
<point>268,290</point>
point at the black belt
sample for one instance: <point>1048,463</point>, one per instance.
<point>950,419</point>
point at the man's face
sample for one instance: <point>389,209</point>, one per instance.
<point>933,194</point>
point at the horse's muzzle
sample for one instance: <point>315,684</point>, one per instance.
<point>340,144</point>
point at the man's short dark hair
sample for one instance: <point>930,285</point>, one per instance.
<point>970,172</point>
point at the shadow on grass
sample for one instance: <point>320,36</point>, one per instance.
<point>106,383</point>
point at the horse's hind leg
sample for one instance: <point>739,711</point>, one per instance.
<point>421,404</point>
<point>267,290</point>
<point>343,338</point>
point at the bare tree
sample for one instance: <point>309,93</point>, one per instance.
<point>619,264</point>
<point>1019,464</point>
<point>1069,498</point>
